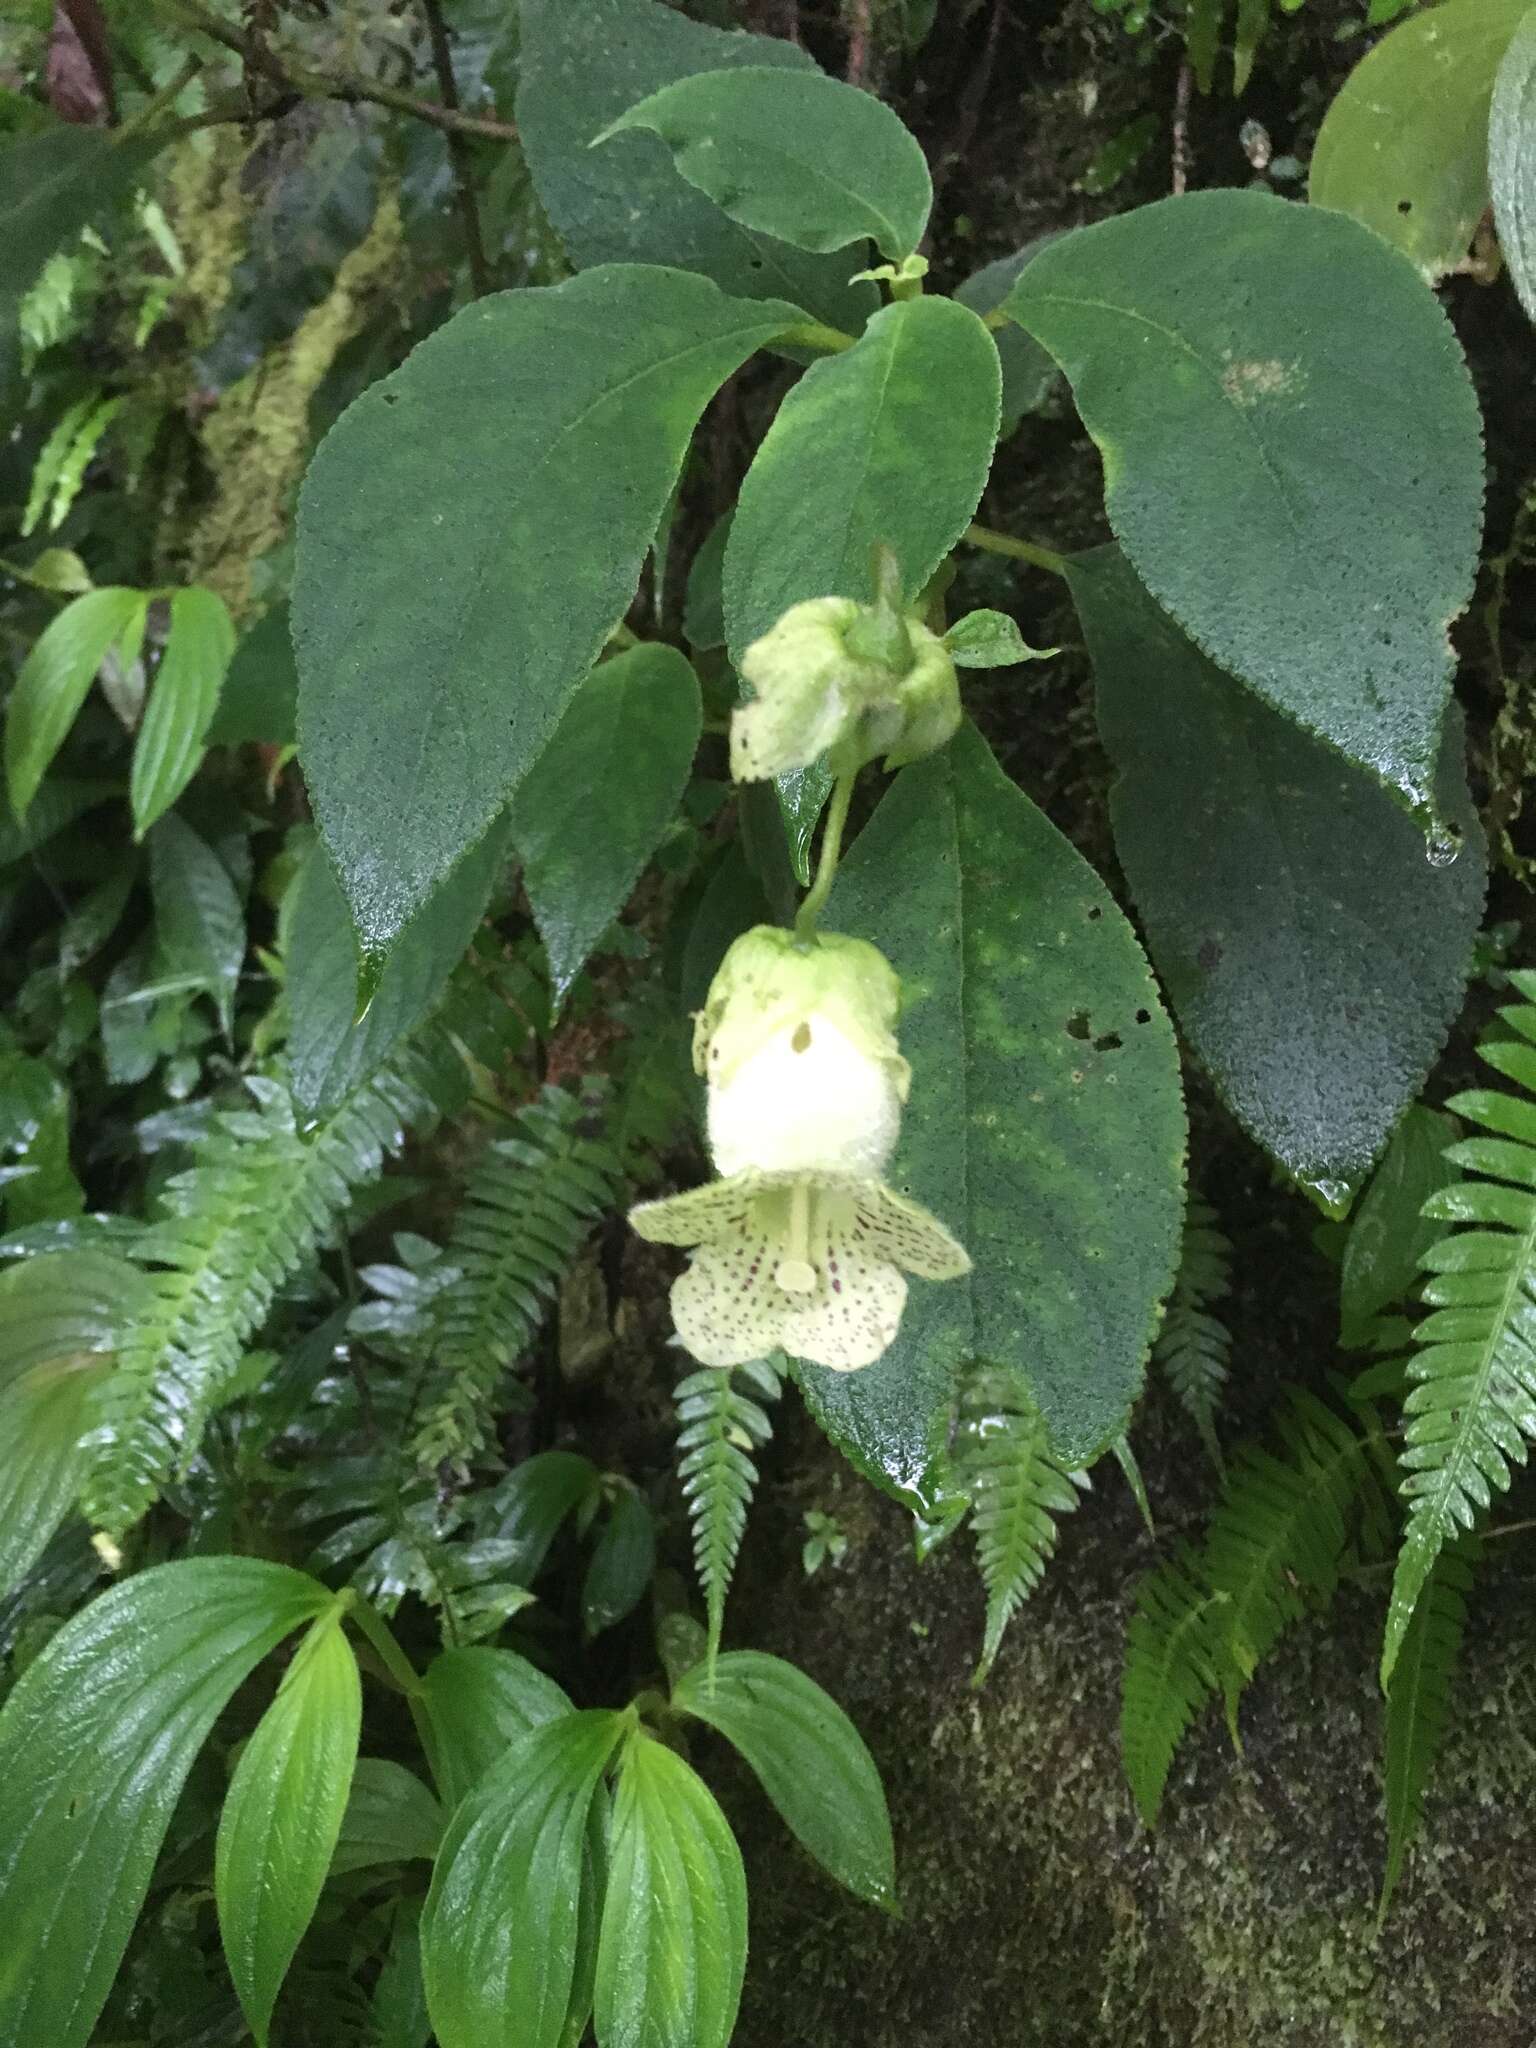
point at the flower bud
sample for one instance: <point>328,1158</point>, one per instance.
<point>816,693</point>
<point>797,1040</point>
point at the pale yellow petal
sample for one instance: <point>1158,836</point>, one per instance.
<point>698,1215</point>
<point>912,1237</point>
<point>854,1316</point>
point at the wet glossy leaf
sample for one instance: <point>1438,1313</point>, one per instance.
<point>1045,1127</point>
<point>1388,1233</point>
<point>567,411</point>
<point>1291,453</point>
<point>581,68</point>
<point>390,1817</point>
<point>1404,146</point>
<point>283,1814</point>
<point>795,154</point>
<point>95,1744</point>
<point>43,1414</point>
<point>55,679</point>
<point>808,1757</point>
<point>331,1050</point>
<point>499,1934</point>
<point>477,1702</point>
<point>673,1945</point>
<point>1314,957</point>
<point>66,1304</point>
<point>181,703</point>
<point>889,442</point>
<point>1512,160</point>
<point>621,753</point>
<point>622,1561</point>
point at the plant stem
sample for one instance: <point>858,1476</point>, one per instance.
<point>458,149</point>
<point>996,543</point>
<point>167,96</point>
<point>815,898</point>
<point>816,334</point>
<point>382,1637</point>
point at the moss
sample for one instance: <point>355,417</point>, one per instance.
<point>256,440</point>
<point>1037,1910</point>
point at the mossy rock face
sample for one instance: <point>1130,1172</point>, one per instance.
<point>1037,1912</point>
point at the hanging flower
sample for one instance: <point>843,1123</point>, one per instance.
<point>800,1246</point>
<point>815,694</point>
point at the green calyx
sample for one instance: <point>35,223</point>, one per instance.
<point>770,982</point>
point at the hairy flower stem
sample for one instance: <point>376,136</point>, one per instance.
<point>815,899</point>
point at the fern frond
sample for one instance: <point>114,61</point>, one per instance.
<point>1419,1701</point>
<point>529,1206</point>
<point>1172,1667</point>
<point>258,1201</point>
<point>1193,1347</point>
<point>1472,1413</point>
<point>721,1422</point>
<point>1017,1488</point>
<point>1279,1533</point>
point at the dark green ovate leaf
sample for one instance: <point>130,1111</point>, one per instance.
<point>1291,454</point>
<point>283,1814</point>
<point>808,1757</point>
<point>181,703</point>
<point>43,1414</point>
<point>1313,955</point>
<point>582,67</point>
<point>1512,159</point>
<point>477,1701</point>
<point>621,754</point>
<point>673,1945</point>
<point>622,1563</point>
<point>794,154</point>
<point>390,1817</point>
<point>1028,372</point>
<point>1388,1233</point>
<point>1045,1126</point>
<point>1404,146</point>
<point>331,1050</point>
<point>889,442</point>
<point>516,467</point>
<point>499,1934</point>
<point>199,924</point>
<point>95,1744</point>
<point>259,700</point>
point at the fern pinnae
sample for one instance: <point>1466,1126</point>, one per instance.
<point>1471,1415</point>
<point>529,1207</point>
<point>1418,1703</point>
<point>722,1422</point>
<point>1193,1347</point>
<point>1017,1490</point>
<point>1172,1667</point>
<point>257,1202</point>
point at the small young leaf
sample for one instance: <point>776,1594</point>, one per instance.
<point>283,1815</point>
<point>622,752</point>
<point>390,1817</point>
<point>794,154</point>
<point>1512,159</point>
<point>673,1946</point>
<point>991,640</point>
<point>622,1563</point>
<point>181,703</point>
<point>808,1757</point>
<point>477,1701</point>
<point>54,681</point>
<point>106,1725</point>
<point>1293,461</point>
<point>1405,147</point>
<point>499,1934</point>
<point>579,68</point>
